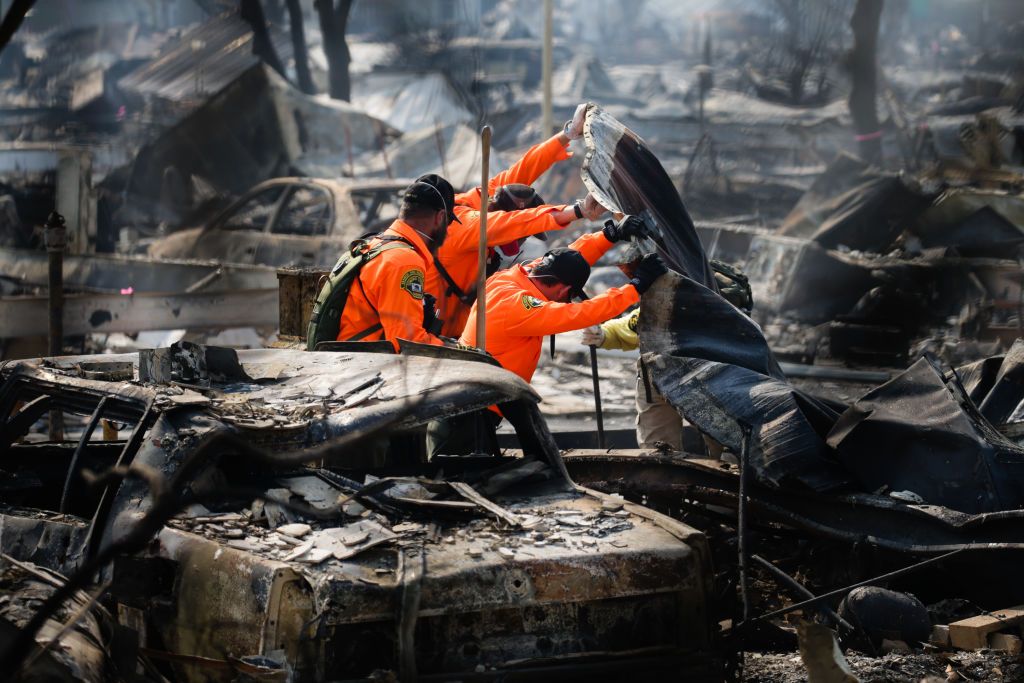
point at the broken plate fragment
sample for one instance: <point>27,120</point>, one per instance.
<point>295,529</point>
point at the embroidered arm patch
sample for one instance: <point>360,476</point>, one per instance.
<point>412,282</point>
<point>531,302</point>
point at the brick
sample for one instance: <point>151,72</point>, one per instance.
<point>972,634</point>
<point>1005,642</point>
<point>940,635</point>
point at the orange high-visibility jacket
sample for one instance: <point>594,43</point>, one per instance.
<point>518,316</point>
<point>458,254</point>
<point>531,166</point>
<point>389,292</point>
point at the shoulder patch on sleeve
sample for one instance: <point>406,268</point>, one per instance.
<point>412,282</point>
<point>531,302</point>
<point>633,319</point>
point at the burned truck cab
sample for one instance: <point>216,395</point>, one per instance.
<point>303,531</point>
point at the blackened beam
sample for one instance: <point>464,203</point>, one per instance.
<point>109,273</point>
<point>26,316</point>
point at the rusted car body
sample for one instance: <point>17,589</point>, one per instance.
<point>477,567</point>
<point>289,221</point>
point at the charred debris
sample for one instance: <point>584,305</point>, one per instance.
<point>185,495</point>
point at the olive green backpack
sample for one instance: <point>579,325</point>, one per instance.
<point>325,321</point>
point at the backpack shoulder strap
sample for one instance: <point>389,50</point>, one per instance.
<point>464,297</point>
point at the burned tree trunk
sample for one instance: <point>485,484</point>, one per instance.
<point>251,12</point>
<point>298,32</point>
<point>864,73</point>
<point>333,16</point>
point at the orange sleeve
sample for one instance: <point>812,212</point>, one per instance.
<point>508,226</point>
<point>462,237</point>
<point>592,246</point>
<point>397,290</point>
<point>531,317</point>
<point>533,164</point>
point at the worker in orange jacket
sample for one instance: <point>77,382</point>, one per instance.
<point>386,300</point>
<point>528,302</point>
<point>515,212</point>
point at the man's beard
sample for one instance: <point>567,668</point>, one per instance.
<point>438,238</point>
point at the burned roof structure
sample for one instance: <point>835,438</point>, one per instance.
<point>254,128</point>
<point>202,62</point>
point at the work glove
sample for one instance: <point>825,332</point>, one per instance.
<point>650,268</point>
<point>591,208</point>
<point>592,336</point>
<point>573,128</point>
<point>630,226</point>
<point>431,323</point>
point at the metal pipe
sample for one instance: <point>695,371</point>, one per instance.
<point>597,397</point>
<point>801,592</point>
<point>73,467</point>
<point>547,119</point>
<point>741,522</point>
<point>481,275</point>
<point>842,591</point>
<point>55,238</point>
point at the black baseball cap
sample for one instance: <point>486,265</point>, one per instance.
<point>568,267</point>
<point>517,196</point>
<point>433,191</point>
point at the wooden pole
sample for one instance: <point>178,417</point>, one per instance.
<point>481,275</point>
<point>547,119</point>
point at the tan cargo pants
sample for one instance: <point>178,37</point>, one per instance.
<point>656,420</point>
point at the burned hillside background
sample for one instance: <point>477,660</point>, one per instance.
<point>176,177</point>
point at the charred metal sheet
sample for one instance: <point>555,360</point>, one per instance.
<point>625,177</point>
<point>46,540</point>
<point>857,206</point>
<point>706,357</point>
<point>26,316</point>
<point>221,49</point>
<point>79,653</point>
<point>682,318</point>
<point>254,128</point>
<point>849,517</point>
<point>919,432</point>
<point>1000,401</point>
<point>268,610</point>
<point>786,426</point>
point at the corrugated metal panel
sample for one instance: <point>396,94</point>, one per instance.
<point>203,61</point>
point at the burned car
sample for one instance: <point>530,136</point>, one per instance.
<point>288,221</point>
<point>304,531</point>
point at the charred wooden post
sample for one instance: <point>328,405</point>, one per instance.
<point>298,33</point>
<point>547,123</point>
<point>333,25</point>
<point>251,11</point>
<point>55,238</point>
<point>864,73</point>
